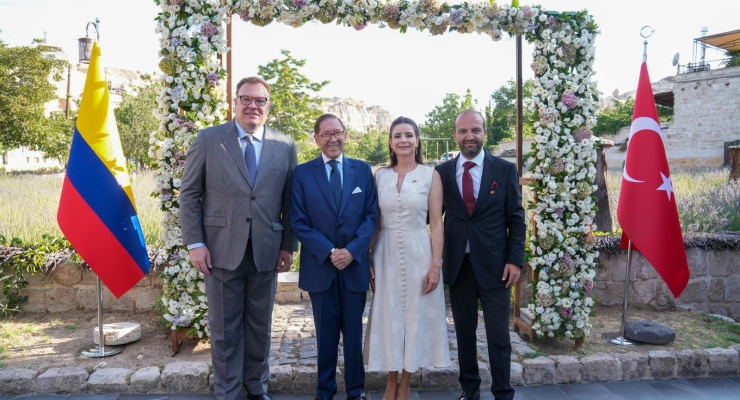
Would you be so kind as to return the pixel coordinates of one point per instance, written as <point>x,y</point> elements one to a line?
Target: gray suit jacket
<point>218,206</point>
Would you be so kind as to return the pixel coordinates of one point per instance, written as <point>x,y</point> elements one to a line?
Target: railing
<point>693,67</point>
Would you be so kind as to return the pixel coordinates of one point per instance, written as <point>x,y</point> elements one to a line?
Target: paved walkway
<point>674,389</point>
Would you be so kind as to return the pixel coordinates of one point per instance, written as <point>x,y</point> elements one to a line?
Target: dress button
<point>249,219</point>
<point>254,198</point>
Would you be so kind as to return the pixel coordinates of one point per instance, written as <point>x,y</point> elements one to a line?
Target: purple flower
<point>569,100</point>
<point>567,260</point>
<point>213,78</point>
<point>299,3</point>
<point>178,92</point>
<point>165,197</point>
<point>566,312</point>
<point>589,285</point>
<point>174,257</point>
<point>264,3</point>
<point>559,212</point>
<point>456,16</point>
<point>528,12</point>
<point>582,134</point>
<point>179,120</point>
<point>557,166</point>
<point>208,29</point>
<point>174,41</point>
<point>177,155</point>
<point>244,15</point>
<point>188,125</point>
<point>360,26</point>
<point>176,2</point>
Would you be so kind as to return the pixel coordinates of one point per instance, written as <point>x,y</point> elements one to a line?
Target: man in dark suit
<point>483,252</point>
<point>234,201</point>
<point>334,211</point>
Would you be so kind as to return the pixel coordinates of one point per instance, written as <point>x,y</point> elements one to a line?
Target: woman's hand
<point>431,281</point>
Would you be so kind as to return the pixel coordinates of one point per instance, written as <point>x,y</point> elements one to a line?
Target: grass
<point>28,204</point>
<point>706,200</point>
<point>13,336</point>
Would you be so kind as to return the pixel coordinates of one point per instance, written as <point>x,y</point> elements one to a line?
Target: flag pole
<point>100,350</point>
<point>619,338</point>
<point>612,337</point>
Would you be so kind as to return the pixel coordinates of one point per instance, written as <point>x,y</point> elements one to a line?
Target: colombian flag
<point>97,212</point>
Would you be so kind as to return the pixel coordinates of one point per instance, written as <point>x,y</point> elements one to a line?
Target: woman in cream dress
<point>407,327</point>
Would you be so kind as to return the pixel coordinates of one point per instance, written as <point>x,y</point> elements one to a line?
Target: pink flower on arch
<point>570,100</point>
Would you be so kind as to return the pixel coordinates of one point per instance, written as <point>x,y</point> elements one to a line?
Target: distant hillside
<point>358,116</point>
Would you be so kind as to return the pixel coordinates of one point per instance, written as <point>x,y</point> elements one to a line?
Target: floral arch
<point>193,34</point>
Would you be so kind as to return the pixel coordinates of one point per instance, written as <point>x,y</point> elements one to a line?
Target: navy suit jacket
<point>496,229</point>
<point>319,227</point>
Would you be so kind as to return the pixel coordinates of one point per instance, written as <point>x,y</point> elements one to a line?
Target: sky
<point>407,74</point>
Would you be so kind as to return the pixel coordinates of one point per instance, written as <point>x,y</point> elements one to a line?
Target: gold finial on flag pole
<point>646,32</point>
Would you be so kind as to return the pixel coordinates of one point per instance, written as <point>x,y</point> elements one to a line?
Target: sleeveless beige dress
<point>406,329</point>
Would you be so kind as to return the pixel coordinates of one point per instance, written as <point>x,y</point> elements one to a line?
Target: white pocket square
<point>357,190</point>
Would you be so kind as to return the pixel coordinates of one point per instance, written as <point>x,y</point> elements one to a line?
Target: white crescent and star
<point>648,124</point>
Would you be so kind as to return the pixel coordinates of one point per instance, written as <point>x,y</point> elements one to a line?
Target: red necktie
<point>467,187</point>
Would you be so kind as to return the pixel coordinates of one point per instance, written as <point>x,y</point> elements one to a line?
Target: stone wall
<point>74,287</point>
<point>714,286</point>
<point>704,119</point>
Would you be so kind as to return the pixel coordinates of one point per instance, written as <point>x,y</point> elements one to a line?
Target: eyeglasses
<point>336,134</point>
<point>259,101</point>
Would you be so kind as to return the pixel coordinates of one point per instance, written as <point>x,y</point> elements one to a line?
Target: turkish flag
<point>647,205</point>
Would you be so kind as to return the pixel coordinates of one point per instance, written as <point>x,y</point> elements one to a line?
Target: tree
<point>501,113</point>
<point>440,122</point>
<point>733,59</point>
<point>292,109</point>
<point>619,115</point>
<point>136,122</point>
<point>24,89</point>
<point>373,148</point>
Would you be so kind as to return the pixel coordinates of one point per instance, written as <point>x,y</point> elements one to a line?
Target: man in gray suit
<point>234,201</point>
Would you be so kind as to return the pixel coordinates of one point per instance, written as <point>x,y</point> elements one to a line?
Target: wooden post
<point>603,218</point>
<point>735,157</point>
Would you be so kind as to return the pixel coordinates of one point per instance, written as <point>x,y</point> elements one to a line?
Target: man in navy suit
<point>483,253</point>
<point>334,211</point>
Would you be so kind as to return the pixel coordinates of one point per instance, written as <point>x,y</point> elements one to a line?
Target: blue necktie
<point>336,184</point>
<point>251,159</point>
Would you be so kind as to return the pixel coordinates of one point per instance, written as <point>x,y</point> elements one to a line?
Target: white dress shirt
<point>257,141</point>
<point>340,165</point>
<point>475,172</point>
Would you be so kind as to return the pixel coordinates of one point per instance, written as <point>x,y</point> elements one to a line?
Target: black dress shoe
<point>470,395</point>
<point>360,396</point>
<point>262,396</point>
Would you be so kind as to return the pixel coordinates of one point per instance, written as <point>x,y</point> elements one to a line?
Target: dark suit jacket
<point>496,230</point>
<point>218,206</point>
<point>320,228</point>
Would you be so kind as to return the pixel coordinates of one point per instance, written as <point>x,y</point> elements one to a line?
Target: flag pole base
<point>618,339</point>
<point>99,352</point>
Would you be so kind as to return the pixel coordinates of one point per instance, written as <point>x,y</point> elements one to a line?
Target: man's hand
<point>341,258</point>
<point>285,260</point>
<point>200,257</point>
<point>512,273</point>
<point>372,277</point>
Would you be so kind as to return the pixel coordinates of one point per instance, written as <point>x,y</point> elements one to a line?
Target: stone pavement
<point>293,370</point>
<point>676,389</point>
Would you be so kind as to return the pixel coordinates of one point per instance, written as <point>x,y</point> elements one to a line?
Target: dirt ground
<point>693,331</point>
<point>41,341</point>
